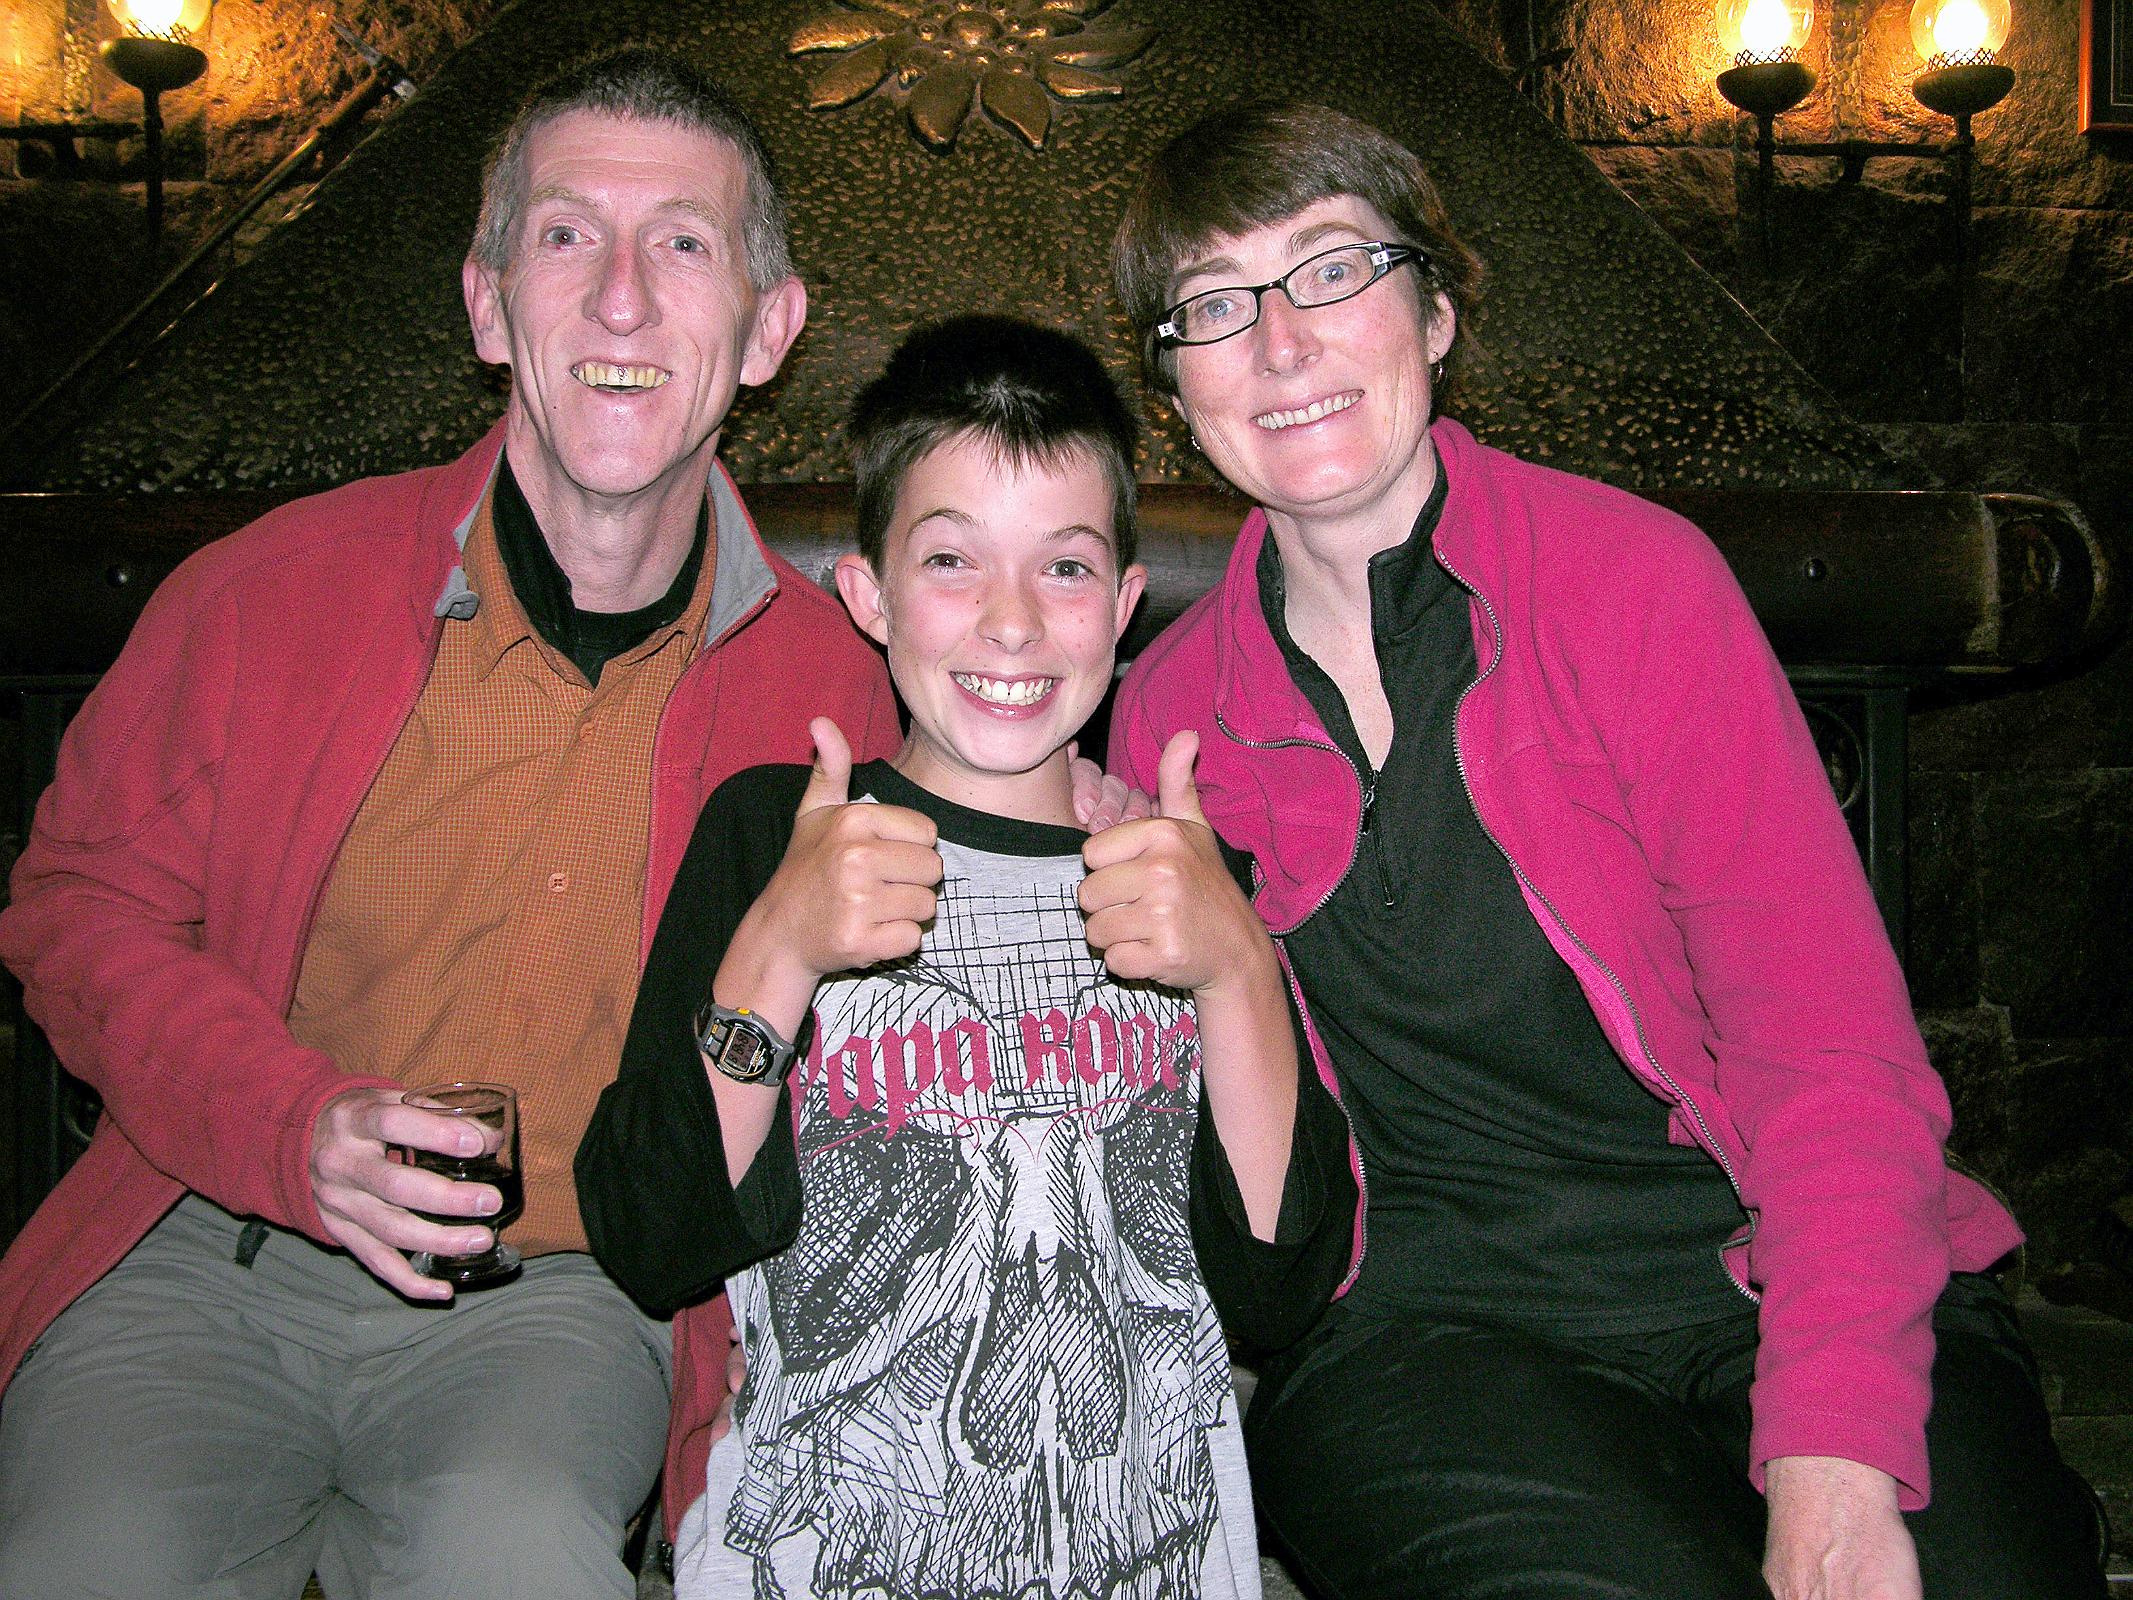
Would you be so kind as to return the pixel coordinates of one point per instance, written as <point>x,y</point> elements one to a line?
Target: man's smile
<point>1004,691</point>
<point>618,379</point>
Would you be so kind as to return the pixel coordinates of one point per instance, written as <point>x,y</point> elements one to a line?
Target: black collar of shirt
<point>1405,581</point>
<point>589,638</point>
<point>977,830</point>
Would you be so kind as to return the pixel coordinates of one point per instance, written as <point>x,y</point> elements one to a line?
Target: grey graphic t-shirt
<point>987,1365</point>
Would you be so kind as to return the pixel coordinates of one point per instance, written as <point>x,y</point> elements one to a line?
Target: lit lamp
<point>155,53</point>
<point>1767,77</point>
<point>1959,41</point>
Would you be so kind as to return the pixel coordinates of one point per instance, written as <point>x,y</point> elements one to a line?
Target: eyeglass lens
<point>1324,279</point>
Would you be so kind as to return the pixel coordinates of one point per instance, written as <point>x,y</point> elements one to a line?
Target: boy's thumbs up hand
<point>1160,902</point>
<point>830,784</point>
<point>857,882</point>
<point>1177,796</point>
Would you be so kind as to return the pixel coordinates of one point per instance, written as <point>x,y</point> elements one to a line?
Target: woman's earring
<point>1436,372</point>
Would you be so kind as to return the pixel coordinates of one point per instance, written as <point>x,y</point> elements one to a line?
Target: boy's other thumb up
<point>1177,797</point>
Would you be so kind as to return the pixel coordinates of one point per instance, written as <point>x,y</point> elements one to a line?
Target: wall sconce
<point>1767,77</point>
<point>69,398</point>
<point>1957,40</point>
<point>155,53</point>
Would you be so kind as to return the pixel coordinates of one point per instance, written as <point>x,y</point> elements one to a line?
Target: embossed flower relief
<point>948,58</point>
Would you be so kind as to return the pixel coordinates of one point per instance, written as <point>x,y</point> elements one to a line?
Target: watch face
<point>746,1056</point>
<point>739,1048</point>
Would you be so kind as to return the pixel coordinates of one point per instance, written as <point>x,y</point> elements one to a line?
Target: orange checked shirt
<point>483,917</point>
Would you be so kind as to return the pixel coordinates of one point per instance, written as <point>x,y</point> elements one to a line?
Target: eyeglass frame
<point>1385,257</point>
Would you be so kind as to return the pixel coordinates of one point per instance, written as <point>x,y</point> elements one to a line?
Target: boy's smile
<point>1001,605</point>
<point>1004,693</point>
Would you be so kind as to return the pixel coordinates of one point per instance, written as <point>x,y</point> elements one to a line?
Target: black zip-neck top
<point>1517,1172</point>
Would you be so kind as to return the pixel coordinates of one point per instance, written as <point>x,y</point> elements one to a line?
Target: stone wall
<point>2022,836</point>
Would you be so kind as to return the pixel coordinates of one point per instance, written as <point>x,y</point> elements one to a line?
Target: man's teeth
<point>601,375</point>
<point>1274,420</point>
<point>1006,692</point>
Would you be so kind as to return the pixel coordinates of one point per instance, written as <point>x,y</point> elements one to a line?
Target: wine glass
<point>492,1108</point>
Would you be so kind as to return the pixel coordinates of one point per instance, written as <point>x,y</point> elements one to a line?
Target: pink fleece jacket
<point>1632,747</point>
<point>161,906</point>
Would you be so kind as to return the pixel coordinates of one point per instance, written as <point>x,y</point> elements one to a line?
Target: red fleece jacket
<point>161,906</point>
<point>1633,748</point>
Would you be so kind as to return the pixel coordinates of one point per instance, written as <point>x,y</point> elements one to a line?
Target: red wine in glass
<point>493,1107</point>
<point>479,1169</point>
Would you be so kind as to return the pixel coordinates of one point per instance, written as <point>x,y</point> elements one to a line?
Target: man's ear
<point>862,597</point>
<point>485,312</point>
<point>779,316</point>
<point>1131,584</point>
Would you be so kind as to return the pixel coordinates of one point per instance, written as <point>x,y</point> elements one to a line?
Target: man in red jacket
<point>387,789</point>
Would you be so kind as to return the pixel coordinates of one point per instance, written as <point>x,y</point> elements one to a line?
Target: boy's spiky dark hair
<point>1034,394</point>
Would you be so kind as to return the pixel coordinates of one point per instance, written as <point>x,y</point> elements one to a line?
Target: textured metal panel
<point>341,348</point>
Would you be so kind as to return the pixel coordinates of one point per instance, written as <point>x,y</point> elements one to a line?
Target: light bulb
<point>1765,30</point>
<point>154,16</point>
<point>162,19</point>
<point>1765,27</point>
<point>1959,29</point>
<point>1959,32</point>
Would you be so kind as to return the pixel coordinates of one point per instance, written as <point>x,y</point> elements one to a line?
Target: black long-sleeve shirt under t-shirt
<point>666,1221</point>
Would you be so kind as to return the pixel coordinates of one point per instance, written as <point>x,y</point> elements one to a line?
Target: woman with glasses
<point>1652,1287</point>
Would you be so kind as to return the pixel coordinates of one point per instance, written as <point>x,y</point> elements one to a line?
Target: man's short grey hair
<point>641,84</point>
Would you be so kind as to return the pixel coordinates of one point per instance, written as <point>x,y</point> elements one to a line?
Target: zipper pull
<point>1365,836</point>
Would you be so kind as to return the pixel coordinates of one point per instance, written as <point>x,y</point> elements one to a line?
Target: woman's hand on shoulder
<point>1100,800</point>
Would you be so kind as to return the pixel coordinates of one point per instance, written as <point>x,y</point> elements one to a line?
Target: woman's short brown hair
<point>1251,165</point>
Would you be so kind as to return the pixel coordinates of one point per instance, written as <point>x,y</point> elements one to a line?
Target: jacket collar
<point>1406,583</point>
<point>1254,695</point>
<point>1469,541</point>
<point>743,579</point>
<point>740,582</point>
<point>1255,699</point>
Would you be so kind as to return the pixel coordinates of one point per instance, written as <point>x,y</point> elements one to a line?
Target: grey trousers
<point>192,1427</point>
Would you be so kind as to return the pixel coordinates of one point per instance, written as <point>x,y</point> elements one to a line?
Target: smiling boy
<point>974,1225</point>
